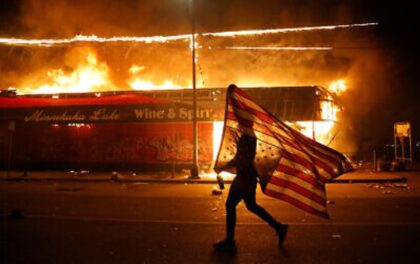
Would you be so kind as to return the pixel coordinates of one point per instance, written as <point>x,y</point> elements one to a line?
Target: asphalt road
<point>76,222</point>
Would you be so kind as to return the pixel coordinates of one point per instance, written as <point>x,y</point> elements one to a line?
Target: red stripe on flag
<point>261,115</point>
<point>300,175</point>
<point>298,159</point>
<point>295,202</point>
<point>338,157</point>
<point>251,125</point>
<point>309,165</point>
<point>299,189</point>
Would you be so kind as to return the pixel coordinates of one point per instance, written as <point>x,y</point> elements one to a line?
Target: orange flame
<point>161,39</point>
<point>322,131</point>
<point>329,110</point>
<point>136,83</point>
<point>338,87</point>
<point>90,75</point>
<point>87,39</point>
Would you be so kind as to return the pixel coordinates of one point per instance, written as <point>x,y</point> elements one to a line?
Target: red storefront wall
<point>106,145</point>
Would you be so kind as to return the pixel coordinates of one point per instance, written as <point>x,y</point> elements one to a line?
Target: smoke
<point>66,18</point>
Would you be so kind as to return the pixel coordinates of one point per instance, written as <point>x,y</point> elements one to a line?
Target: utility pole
<point>195,168</point>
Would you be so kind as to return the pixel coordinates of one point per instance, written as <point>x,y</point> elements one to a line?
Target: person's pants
<point>237,192</point>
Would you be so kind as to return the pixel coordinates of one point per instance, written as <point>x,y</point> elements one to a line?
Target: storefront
<point>126,131</point>
<point>137,130</point>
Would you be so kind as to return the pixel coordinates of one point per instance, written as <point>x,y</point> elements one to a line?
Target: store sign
<point>402,129</point>
<point>142,113</point>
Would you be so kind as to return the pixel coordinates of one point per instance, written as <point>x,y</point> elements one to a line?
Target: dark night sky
<point>394,37</point>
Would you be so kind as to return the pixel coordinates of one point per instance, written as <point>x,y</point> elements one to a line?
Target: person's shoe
<point>225,245</point>
<point>281,231</point>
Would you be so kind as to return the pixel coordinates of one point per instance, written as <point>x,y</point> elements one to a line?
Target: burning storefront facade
<point>110,131</point>
<point>139,130</point>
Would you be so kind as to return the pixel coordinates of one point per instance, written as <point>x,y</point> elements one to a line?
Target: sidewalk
<point>357,176</point>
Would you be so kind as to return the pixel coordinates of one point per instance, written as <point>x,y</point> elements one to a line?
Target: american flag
<point>290,166</point>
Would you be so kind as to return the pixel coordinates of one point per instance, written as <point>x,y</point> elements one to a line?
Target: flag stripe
<point>299,167</point>
<point>298,159</point>
<point>312,144</point>
<point>296,203</point>
<point>301,182</point>
<point>298,188</point>
<point>301,175</point>
<point>297,196</point>
<point>264,117</point>
<point>270,125</point>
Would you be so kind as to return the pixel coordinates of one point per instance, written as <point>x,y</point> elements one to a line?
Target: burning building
<point>140,130</point>
<point>95,104</point>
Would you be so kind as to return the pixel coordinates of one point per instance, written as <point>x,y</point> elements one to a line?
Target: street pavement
<point>47,221</point>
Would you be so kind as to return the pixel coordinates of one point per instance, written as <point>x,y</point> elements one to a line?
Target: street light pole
<point>195,167</point>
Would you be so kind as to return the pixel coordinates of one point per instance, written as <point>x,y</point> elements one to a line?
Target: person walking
<point>244,187</point>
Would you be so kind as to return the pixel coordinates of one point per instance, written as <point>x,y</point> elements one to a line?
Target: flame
<point>90,75</point>
<point>286,30</point>
<point>136,83</point>
<point>278,48</point>
<point>329,110</point>
<point>91,38</point>
<point>217,137</point>
<point>338,87</point>
<point>162,39</point>
<point>321,131</point>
